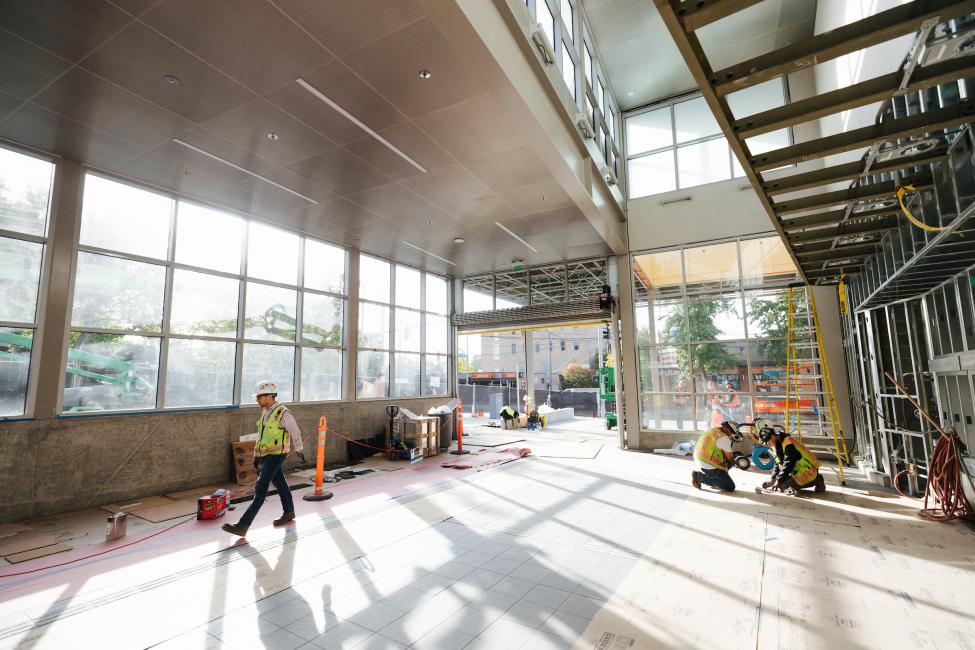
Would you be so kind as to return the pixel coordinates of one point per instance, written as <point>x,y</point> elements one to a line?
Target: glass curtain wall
<point>677,144</point>
<point>25,197</point>
<point>404,333</point>
<point>179,305</point>
<point>711,332</point>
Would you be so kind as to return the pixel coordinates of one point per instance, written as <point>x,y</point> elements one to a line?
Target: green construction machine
<point>607,393</point>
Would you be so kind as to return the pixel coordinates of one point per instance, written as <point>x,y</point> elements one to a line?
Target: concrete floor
<point>536,553</point>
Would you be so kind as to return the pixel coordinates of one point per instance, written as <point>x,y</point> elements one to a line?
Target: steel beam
<point>844,229</point>
<point>690,48</point>
<point>856,36</point>
<point>835,272</point>
<point>861,94</point>
<point>832,217</point>
<point>695,15</point>
<point>848,172</point>
<point>934,120</point>
<point>839,253</point>
<point>880,190</point>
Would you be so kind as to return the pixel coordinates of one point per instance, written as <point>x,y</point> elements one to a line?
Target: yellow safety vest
<point>707,450</point>
<point>272,438</point>
<point>807,468</point>
<point>507,410</point>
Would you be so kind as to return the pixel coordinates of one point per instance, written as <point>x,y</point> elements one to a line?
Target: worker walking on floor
<point>713,456</point>
<point>277,435</point>
<point>796,467</point>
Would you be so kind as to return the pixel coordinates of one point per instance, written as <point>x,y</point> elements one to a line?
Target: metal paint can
<point>115,526</point>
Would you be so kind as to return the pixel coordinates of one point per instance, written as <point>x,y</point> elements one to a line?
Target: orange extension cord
<point>944,486</point>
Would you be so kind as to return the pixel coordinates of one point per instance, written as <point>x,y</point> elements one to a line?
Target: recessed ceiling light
<point>458,240</point>
<point>430,222</point>
<point>271,135</point>
<point>425,74</point>
<point>171,80</point>
<point>629,94</point>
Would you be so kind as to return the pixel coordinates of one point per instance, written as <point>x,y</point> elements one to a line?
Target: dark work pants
<point>271,472</point>
<point>717,478</point>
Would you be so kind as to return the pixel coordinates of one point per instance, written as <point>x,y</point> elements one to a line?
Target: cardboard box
<point>433,444</point>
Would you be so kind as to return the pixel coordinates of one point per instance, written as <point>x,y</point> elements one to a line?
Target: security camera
<point>585,126</point>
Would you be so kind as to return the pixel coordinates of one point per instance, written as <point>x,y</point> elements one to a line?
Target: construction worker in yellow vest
<point>277,435</point>
<point>713,456</point>
<point>796,467</point>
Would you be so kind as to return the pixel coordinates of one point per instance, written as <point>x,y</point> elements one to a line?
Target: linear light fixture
<point>507,230</point>
<point>423,250</point>
<point>352,118</point>
<point>242,169</point>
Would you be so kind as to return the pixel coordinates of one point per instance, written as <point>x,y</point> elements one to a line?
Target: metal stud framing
<point>915,141</point>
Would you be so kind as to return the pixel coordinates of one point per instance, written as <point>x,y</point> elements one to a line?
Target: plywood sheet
<point>37,552</point>
<point>194,493</point>
<point>492,441</point>
<point>21,543</point>
<point>136,506</point>
<point>168,511</point>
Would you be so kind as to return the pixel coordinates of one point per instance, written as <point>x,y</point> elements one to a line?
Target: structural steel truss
<point>921,138</point>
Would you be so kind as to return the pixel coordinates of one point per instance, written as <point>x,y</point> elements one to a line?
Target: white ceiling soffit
<point>643,63</point>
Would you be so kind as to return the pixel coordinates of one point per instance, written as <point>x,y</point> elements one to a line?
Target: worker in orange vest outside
<point>713,456</point>
<point>796,467</point>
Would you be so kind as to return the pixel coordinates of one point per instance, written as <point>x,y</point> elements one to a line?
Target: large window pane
<point>373,325</point>
<point>373,279</point>
<point>565,8</point>
<point>20,276</point>
<point>110,371</point>
<point>768,142</point>
<point>436,294</point>
<point>372,374</point>
<point>407,287</point>
<point>693,120</point>
<point>668,411</point>
<point>25,192</point>
<point>321,374</point>
<point>705,162</point>
<point>208,238</point>
<point>269,313</point>
<point>15,347</point>
<point>568,71</point>
<point>437,334</point>
<point>767,313</point>
<point>653,174</point>
<point>658,274</point>
<point>322,320</point>
<point>407,330</point>
<point>767,374</point>
<point>711,268</point>
<point>587,66</point>
<point>112,293</point>
<point>268,363</point>
<point>407,375</point>
<point>324,267</point>
<point>712,365</point>
<point>478,294</point>
<point>649,131</point>
<point>757,99</point>
<point>204,304</point>
<point>436,382</point>
<point>200,373</point>
<point>272,254</point>
<point>665,368</point>
<point>766,260</point>
<point>714,317</point>
<point>124,218</point>
<point>544,16</point>
<point>511,289</point>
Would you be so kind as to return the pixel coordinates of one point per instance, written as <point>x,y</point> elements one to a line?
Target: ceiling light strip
<point>502,227</point>
<point>423,250</point>
<point>242,169</point>
<point>352,118</point>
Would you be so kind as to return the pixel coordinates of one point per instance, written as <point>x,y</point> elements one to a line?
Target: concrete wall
<point>64,464</point>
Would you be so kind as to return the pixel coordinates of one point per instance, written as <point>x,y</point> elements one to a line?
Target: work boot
<point>285,518</point>
<point>236,529</point>
<point>820,484</point>
<point>696,483</point>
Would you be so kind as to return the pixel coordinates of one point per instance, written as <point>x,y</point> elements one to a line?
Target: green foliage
<point>708,358</point>
<point>576,375</point>
<point>773,320</point>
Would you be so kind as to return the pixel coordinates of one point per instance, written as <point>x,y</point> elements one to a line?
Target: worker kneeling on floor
<point>796,467</point>
<point>277,435</point>
<point>714,457</point>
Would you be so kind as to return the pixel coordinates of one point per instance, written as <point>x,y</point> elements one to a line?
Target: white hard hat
<point>266,388</point>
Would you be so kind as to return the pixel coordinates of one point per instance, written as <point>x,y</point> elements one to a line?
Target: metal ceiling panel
<point>346,25</point>
<point>408,138</point>
<point>219,146</point>
<point>140,59</point>
<point>340,171</point>
<point>68,29</point>
<point>509,169</point>
<point>470,129</point>
<point>536,197</point>
<point>26,68</point>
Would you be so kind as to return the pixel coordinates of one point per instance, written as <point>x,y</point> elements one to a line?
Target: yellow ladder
<point>817,354</point>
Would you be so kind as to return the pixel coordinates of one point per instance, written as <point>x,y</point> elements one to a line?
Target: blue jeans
<point>716,478</point>
<point>271,472</point>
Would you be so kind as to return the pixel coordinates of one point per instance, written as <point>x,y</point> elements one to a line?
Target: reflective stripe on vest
<point>807,468</point>
<point>272,438</point>
<point>708,451</point>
